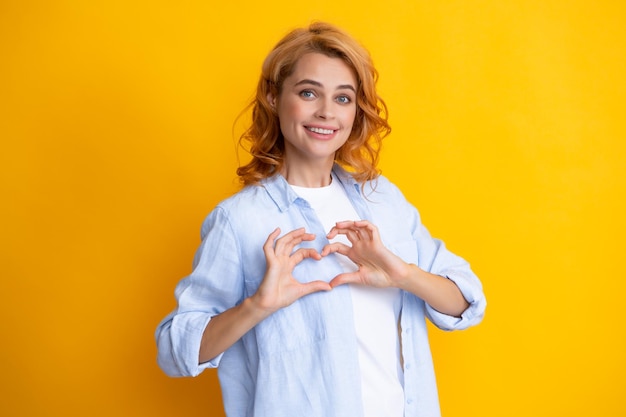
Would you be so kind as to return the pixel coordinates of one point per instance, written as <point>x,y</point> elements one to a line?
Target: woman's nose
<point>325,109</point>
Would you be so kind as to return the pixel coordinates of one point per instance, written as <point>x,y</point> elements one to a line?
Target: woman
<point>312,284</point>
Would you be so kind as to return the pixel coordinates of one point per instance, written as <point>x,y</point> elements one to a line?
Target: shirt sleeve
<point>435,258</point>
<point>215,285</point>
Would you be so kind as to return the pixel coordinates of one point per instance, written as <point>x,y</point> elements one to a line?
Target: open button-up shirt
<point>302,361</point>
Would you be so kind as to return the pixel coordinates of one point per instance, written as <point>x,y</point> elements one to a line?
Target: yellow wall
<point>509,135</point>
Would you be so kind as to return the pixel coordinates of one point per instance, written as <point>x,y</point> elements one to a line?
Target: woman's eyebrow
<point>318,84</point>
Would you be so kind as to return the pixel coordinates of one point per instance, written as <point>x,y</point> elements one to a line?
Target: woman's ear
<point>271,99</point>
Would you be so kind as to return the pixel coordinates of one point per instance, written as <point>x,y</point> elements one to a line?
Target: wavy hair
<point>264,139</point>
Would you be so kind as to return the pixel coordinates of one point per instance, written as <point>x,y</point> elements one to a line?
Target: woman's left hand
<point>378,266</point>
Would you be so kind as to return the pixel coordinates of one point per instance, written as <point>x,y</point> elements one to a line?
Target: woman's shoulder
<point>247,197</point>
<point>382,186</point>
<point>235,208</point>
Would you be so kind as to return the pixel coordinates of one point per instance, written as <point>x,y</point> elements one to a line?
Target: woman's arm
<point>278,289</point>
<point>439,292</point>
<point>379,267</point>
<point>226,328</point>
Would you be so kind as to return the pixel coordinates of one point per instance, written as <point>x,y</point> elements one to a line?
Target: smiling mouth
<point>320,130</point>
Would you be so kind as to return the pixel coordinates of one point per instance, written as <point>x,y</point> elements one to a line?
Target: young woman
<point>310,289</point>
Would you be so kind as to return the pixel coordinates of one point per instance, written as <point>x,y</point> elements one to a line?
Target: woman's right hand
<point>279,288</point>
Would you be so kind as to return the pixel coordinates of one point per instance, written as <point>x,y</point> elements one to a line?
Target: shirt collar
<point>283,195</point>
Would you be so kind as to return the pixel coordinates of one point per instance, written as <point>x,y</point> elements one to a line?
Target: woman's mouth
<point>320,130</point>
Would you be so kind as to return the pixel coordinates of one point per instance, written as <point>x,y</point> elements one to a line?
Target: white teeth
<point>320,130</point>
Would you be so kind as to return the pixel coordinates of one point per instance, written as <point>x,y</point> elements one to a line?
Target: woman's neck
<point>307,176</point>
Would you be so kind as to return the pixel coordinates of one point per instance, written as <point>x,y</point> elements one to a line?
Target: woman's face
<point>316,109</point>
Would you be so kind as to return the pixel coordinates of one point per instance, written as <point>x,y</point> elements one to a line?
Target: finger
<point>345,223</point>
<point>346,278</point>
<point>268,246</point>
<point>286,243</point>
<point>315,286</point>
<point>337,247</point>
<point>353,235</point>
<point>339,231</point>
<point>340,227</point>
<point>294,234</point>
<point>299,233</point>
<point>369,228</point>
<point>304,253</point>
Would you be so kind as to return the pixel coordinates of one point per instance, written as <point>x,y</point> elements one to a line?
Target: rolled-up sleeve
<point>435,258</point>
<point>472,292</point>
<point>215,285</point>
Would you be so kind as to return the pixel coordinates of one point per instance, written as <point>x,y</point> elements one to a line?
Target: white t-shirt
<point>376,314</point>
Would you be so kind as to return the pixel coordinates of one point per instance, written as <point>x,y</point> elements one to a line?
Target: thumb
<point>346,278</point>
<point>315,286</point>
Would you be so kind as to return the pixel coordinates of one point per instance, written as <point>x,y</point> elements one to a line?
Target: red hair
<point>264,140</point>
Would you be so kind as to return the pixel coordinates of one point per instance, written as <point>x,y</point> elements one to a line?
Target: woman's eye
<point>344,99</point>
<point>307,94</point>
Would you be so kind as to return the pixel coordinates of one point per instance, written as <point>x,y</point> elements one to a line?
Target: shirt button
<point>407,365</point>
<point>409,401</point>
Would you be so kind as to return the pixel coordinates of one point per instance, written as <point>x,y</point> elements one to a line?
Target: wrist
<point>255,308</point>
<point>407,278</point>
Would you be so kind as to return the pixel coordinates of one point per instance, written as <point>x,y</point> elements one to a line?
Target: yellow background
<point>116,128</point>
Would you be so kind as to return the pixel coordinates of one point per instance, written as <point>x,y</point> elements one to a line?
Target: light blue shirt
<point>302,361</point>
